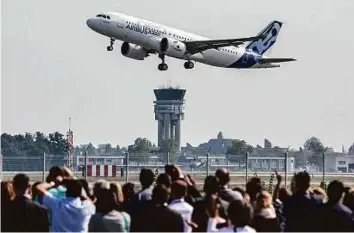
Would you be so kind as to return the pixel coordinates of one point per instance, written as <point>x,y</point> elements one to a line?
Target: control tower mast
<point>169,112</point>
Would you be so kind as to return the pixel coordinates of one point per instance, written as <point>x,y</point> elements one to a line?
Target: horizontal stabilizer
<point>275,60</point>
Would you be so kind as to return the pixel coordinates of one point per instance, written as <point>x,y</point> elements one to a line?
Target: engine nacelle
<point>133,51</point>
<point>173,48</point>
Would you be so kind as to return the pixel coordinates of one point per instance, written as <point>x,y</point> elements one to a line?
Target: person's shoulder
<point>36,205</point>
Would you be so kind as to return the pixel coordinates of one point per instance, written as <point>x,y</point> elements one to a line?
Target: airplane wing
<point>194,47</point>
<point>274,60</point>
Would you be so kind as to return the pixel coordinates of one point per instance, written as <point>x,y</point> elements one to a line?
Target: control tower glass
<point>169,113</point>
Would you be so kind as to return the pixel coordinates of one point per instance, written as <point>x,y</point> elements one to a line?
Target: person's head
<point>147,178</point>
<point>73,188</point>
<point>128,191</point>
<point>283,194</point>
<point>21,184</point>
<point>160,195</point>
<point>348,199</point>
<point>7,192</point>
<point>263,201</point>
<point>223,176</point>
<point>54,172</point>
<point>253,187</point>
<point>164,179</point>
<point>67,173</point>
<point>106,195</point>
<point>335,191</point>
<point>302,181</point>
<point>320,192</point>
<point>240,213</point>
<point>240,190</point>
<point>211,185</point>
<point>173,171</point>
<point>178,189</point>
<point>117,190</point>
<point>34,191</point>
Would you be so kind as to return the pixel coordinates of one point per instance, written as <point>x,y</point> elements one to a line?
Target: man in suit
<point>157,217</point>
<point>24,215</point>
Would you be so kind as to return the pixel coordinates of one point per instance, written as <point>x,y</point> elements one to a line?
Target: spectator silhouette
<point>107,217</point>
<point>225,193</point>
<point>199,217</point>
<point>335,216</point>
<point>301,210</point>
<point>23,214</point>
<point>141,198</point>
<point>265,218</point>
<point>178,204</point>
<point>128,193</point>
<point>157,217</point>
<point>240,215</point>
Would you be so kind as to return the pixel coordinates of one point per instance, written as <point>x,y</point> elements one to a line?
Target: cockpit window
<point>103,16</point>
<point>108,17</point>
<point>98,15</point>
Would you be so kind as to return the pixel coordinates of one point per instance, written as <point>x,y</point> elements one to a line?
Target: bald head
<point>223,176</point>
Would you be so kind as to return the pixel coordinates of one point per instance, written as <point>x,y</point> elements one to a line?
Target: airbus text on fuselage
<point>142,38</point>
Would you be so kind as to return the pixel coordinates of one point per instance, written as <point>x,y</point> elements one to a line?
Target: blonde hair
<point>117,190</point>
<point>263,201</point>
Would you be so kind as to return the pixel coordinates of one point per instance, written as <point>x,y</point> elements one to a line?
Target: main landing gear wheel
<point>162,66</point>
<point>110,47</point>
<point>189,65</point>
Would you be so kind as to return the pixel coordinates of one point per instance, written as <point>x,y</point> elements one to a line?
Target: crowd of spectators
<point>171,202</point>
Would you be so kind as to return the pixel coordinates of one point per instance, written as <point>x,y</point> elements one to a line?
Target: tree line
<point>55,143</point>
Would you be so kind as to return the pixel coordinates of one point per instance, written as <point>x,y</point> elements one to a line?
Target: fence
<point>126,167</point>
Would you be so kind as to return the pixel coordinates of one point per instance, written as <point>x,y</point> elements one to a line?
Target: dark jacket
<point>157,219</point>
<point>336,218</point>
<point>24,215</point>
<point>301,211</point>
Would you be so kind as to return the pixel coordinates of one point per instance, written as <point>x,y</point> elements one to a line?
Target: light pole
<point>286,166</point>
<point>324,165</point>
<point>247,154</point>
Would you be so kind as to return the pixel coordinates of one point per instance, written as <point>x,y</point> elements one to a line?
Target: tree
<point>141,145</point>
<point>90,150</point>
<point>315,145</point>
<point>237,150</point>
<point>351,149</point>
<point>108,149</point>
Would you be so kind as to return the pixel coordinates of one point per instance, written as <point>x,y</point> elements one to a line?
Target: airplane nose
<point>90,23</point>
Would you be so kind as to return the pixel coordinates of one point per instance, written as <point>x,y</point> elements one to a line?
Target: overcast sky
<point>54,67</point>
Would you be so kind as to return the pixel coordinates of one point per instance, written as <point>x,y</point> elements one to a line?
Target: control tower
<point>169,112</point>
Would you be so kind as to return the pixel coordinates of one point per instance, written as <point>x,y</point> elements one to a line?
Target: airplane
<point>141,38</point>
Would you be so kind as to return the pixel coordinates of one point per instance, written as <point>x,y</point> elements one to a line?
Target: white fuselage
<point>144,33</point>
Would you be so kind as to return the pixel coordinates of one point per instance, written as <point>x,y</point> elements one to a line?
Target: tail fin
<point>270,34</point>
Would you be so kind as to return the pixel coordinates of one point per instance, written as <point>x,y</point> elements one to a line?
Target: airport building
<point>169,112</point>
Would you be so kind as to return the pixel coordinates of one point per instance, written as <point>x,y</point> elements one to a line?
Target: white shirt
<point>212,227</point>
<point>69,214</point>
<point>184,209</point>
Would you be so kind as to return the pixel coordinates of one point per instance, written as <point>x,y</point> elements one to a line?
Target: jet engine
<point>133,51</point>
<point>173,48</point>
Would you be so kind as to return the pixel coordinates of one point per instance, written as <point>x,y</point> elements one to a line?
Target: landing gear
<point>188,65</point>
<point>163,66</point>
<point>110,47</point>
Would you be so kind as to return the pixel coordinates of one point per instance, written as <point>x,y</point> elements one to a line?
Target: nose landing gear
<point>110,47</point>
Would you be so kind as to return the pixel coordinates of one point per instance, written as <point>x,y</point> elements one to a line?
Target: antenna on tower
<point>70,144</point>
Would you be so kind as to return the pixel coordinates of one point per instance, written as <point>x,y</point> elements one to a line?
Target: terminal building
<point>169,112</point>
